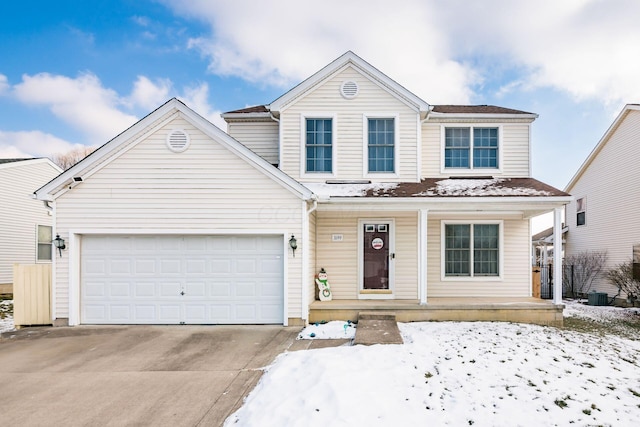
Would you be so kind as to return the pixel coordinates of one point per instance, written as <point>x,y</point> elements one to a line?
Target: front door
<point>377,256</point>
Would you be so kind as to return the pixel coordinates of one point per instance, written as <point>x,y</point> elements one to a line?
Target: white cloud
<point>150,95</point>
<point>26,144</point>
<point>83,103</point>
<point>4,84</point>
<point>284,42</point>
<point>196,99</point>
<point>442,51</point>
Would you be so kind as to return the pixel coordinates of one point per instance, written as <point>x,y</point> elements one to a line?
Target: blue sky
<point>78,73</point>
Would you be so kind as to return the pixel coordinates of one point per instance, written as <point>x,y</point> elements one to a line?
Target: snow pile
<point>330,330</point>
<point>479,187</point>
<point>6,316</point>
<point>454,374</point>
<point>323,190</point>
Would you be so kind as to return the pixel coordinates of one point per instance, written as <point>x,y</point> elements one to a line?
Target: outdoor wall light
<point>293,244</point>
<point>58,242</point>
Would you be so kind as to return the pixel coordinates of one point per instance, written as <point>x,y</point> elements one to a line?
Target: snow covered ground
<point>457,373</point>
<point>6,316</point>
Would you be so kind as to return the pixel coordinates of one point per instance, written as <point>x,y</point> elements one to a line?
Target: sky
<point>76,73</point>
<point>477,374</point>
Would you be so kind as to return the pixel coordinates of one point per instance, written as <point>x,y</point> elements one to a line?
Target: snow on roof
<point>434,187</point>
<point>324,190</point>
<point>479,187</point>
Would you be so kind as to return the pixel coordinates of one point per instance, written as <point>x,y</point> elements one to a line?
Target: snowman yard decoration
<point>324,290</point>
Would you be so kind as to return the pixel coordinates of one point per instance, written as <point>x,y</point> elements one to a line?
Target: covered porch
<point>504,309</point>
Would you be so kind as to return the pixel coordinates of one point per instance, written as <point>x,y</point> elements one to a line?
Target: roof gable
<point>114,148</point>
<point>601,144</point>
<point>11,163</point>
<point>349,59</point>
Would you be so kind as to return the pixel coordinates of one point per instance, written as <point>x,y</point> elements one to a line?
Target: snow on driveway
<point>455,374</point>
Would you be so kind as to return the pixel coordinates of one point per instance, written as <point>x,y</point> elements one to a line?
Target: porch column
<point>422,255</point>
<point>557,256</point>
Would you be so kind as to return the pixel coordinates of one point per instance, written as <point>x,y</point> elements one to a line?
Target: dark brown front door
<point>376,255</point>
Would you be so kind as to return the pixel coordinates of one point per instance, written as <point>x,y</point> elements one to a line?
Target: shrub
<point>622,277</point>
<point>585,268</point>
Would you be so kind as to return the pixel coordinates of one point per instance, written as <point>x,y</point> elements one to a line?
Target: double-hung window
<point>471,250</point>
<point>471,148</point>
<point>381,145</point>
<point>581,211</point>
<point>319,145</point>
<point>44,243</point>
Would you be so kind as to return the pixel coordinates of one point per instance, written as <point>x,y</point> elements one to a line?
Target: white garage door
<point>182,279</point>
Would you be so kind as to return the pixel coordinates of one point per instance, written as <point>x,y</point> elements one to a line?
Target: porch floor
<point>519,310</point>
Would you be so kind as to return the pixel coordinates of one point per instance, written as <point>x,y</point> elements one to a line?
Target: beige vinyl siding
<point>515,283</point>
<point>20,214</point>
<point>261,137</point>
<point>326,101</point>
<point>340,259</point>
<point>206,187</point>
<point>514,149</point>
<point>610,186</point>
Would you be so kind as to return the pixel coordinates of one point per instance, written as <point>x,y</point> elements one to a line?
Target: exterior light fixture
<point>58,242</point>
<point>293,244</point>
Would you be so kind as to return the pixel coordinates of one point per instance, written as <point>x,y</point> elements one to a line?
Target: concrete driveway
<point>133,375</point>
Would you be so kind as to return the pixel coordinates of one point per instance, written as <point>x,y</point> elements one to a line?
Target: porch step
<point>377,328</point>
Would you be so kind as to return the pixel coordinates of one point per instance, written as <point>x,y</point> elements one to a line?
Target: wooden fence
<point>31,294</point>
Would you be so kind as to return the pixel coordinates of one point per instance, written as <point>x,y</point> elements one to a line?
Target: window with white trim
<point>319,145</point>
<point>581,211</point>
<point>471,250</point>
<point>460,153</point>
<point>381,145</point>
<point>44,243</point>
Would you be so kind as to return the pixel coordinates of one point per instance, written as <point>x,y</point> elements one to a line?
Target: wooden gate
<point>31,294</point>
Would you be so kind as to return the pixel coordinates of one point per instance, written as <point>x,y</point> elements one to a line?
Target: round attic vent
<point>349,89</point>
<point>178,141</point>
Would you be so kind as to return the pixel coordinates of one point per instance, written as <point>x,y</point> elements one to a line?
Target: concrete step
<point>377,328</point>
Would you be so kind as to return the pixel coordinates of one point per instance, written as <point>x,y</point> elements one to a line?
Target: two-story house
<point>413,208</point>
<point>604,215</point>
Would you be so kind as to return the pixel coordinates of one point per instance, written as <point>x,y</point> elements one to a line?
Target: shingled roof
<point>254,109</point>
<point>450,109</point>
<point>475,109</point>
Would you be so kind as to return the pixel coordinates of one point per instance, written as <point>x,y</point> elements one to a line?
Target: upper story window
<point>319,145</point>
<point>44,243</point>
<point>581,211</point>
<point>471,148</point>
<point>381,145</point>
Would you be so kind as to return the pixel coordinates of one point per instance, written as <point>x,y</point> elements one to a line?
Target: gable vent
<point>178,141</point>
<point>349,89</point>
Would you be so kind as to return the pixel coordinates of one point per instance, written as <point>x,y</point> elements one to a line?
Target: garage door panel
<point>144,290</point>
<point>145,266</point>
<point>221,289</point>
<point>246,266</point>
<point>95,289</point>
<point>171,266</point>
<point>145,313</point>
<point>120,289</point>
<point>221,266</point>
<point>218,279</point>
<point>196,266</point>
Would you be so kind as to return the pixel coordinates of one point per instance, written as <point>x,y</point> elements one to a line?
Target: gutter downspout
<point>279,136</point>
<point>305,256</point>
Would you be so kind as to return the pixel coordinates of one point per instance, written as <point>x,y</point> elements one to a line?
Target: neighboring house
<point>412,208</point>
<point>605,215</point>
<point>25,223</point>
